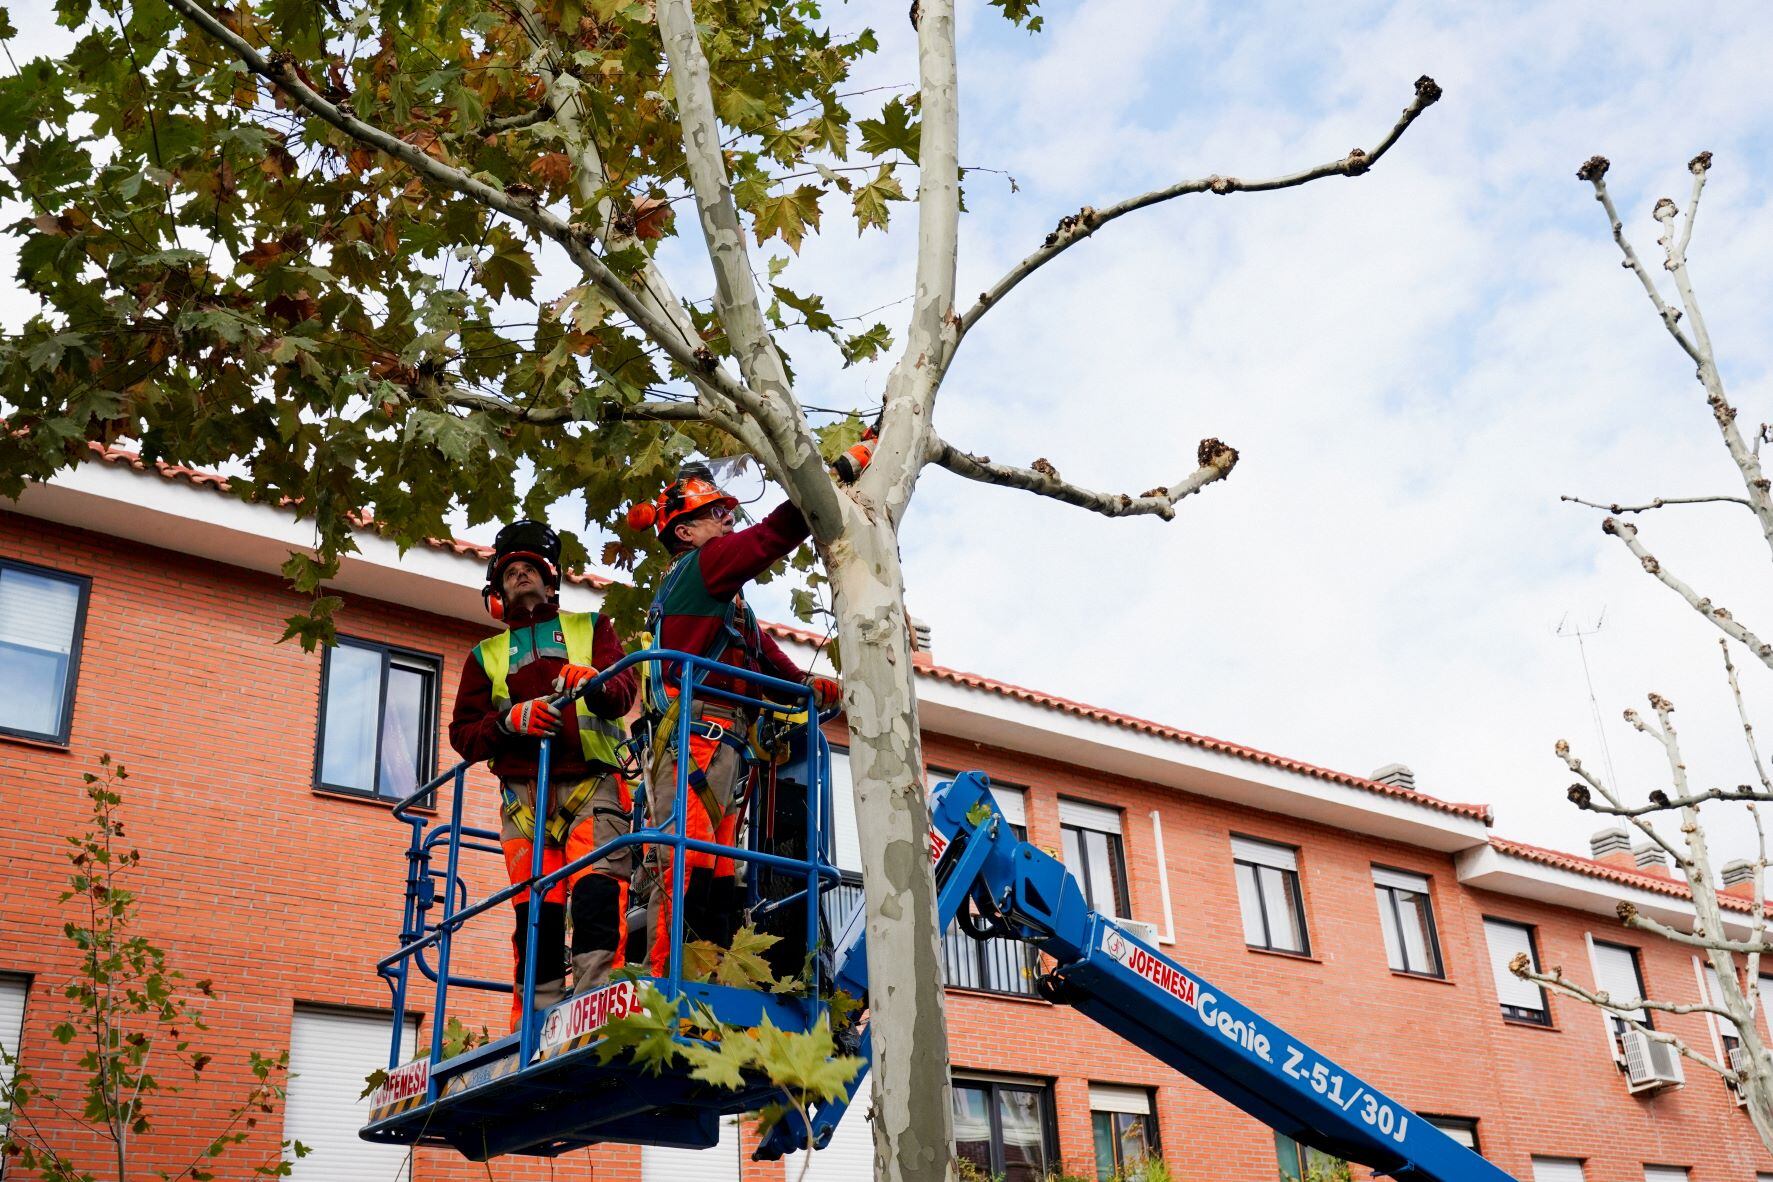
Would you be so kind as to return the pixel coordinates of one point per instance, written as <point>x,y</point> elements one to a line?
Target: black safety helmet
<point>530,541</point>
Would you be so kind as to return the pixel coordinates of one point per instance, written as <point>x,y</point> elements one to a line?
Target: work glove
<point>571,677</point>
<point>827,692</point>
<point>536,718</point>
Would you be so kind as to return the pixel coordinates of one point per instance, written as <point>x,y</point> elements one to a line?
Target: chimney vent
<point>920,643</point>
<point>1397,775</point>
<point>1651,857</point>
<point>1739,873</point>
<point>1610,841</point>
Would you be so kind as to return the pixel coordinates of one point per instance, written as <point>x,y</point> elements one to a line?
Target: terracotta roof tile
<point>219,483</point>
<point>1478,812</point>
<point>1616,874</point>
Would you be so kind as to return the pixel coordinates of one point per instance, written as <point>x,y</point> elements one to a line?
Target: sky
<point>1414,366</point>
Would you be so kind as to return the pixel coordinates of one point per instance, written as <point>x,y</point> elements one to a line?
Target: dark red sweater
<point>474,727</point>
<point>727,563</point>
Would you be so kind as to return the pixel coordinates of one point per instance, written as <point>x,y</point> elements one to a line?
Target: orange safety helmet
<point>693,489</point>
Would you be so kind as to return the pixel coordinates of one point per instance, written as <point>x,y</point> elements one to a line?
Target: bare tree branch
<point>1698,346</point>
<point>1754,811</point>
<point>1558,983</point>
<point>1631,917</point>
<point>1594,171</point>
<point>1074,228</point>
<point>517,204</point>
<point>1661,802</point>
<point>931,333</point>
<point>506,123</point>
<point>797,462</point>
<point>1658,503</point>
<point>1721,617</point>
<point>1579,796</point>
<point>1216,460</point>
<point>1555,979</point>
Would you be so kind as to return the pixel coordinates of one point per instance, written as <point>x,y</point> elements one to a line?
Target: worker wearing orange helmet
<point>504,709</point>
<point>700,609</point>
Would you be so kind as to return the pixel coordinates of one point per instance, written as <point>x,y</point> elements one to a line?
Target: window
<point>1462,1129</point>
<point>1005,1129</point>
<point>1665,1174</point>
<point>42,614</point>
<point>1522,1001</point>
<point>998,965</point>
<point>1765,985</point>
<point>1093,854</point>
<point>1407,918</point>
<point>1616,974</point>
<point>1302,1163</point>
<point>1728,1037</point>
<point>1557,1169</point>
<point>13,992</point>
<point>330,1052</point>
<point>378,719</point>
<point>1123,1123</point>
<point>1268,890</point>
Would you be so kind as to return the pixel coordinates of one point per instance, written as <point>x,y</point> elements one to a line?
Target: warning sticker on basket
<point>572,1024</point>
<point>404,1088</point>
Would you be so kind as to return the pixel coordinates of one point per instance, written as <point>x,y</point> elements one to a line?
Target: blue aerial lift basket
<point>544,1091</point>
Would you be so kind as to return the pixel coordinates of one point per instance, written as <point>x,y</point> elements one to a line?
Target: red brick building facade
<point>1295,888</point>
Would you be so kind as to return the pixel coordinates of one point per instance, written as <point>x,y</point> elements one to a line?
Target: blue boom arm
<point>1132,989</point>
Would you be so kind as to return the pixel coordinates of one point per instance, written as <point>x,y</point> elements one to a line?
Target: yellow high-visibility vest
<point>598,737</point>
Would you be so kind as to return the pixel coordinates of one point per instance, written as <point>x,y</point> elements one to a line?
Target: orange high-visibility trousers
<point>710,815</point>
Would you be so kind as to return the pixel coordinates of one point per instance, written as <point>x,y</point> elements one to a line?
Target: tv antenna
<point>1567,630</point>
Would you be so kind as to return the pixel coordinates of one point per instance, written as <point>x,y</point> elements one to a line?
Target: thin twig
<point>1658,503</point>
<point>1074,228</point>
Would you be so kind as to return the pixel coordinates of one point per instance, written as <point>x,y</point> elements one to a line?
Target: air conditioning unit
<point>1648,1064</point>
<point>1738,1060</point>
<point>1145,931</point>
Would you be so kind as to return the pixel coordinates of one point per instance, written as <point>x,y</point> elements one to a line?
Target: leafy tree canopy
<point>226,281</point>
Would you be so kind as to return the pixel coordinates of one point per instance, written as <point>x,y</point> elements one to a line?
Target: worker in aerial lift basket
<point>700,609</point>
<point>503,712</point>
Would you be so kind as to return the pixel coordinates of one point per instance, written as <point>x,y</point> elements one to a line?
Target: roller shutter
<point>850,1154</point>
<point>718,1163</point>
<point>330,1054</point>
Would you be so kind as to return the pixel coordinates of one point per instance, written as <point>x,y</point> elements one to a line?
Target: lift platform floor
<point>483,1103</point>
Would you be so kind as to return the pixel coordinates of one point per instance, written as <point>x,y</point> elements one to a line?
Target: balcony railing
<point>995,966</point>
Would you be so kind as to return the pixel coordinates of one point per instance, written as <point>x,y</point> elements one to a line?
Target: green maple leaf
<point>894,131</point>
<point>742,965</point>
<point>788,216</point>
<point>812,307</point>
<point>700,960</point>
<point>722,1064</point>
<point>508,268</point>
<point>648,1035</point>
<point>871,199</point>
<point>863,346</point>
<point>808,1063</point>
<point>372,1081</point>
<point>844,1008</point>
<point>1020,12</point>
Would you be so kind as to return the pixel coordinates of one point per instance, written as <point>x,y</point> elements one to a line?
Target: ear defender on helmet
<point>642,515</point>
<point>495,603</point>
